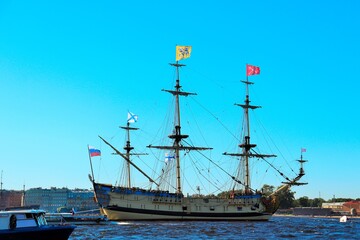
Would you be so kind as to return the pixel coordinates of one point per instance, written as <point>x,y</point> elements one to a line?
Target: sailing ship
<point>127,202</point>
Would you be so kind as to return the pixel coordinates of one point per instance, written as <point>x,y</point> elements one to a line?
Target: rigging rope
<point>216,118</point>
<point>232,177</point>
<point>264,129</point>
<point>272,165</point>
<point>204,176</point>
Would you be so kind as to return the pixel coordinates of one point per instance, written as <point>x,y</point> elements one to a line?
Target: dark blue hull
<point>53,232</point>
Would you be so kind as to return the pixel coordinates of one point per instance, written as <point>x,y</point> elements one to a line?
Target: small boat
<point>343,219</point>
<point>31,224</point>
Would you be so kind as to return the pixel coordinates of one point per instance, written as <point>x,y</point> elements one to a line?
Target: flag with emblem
<point>182,52</point>
<point>252,70</point>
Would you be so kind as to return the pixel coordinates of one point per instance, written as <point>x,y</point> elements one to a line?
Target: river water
<point>278,227</point>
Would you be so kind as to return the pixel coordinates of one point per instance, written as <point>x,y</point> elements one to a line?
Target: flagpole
<point>92,171</point>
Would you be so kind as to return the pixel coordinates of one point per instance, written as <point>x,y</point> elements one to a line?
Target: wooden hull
<point>124,214</point>
<point>137,204</point>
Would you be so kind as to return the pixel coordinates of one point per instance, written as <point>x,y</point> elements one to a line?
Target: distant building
<point>353,207</point>
<point>10,198</point>
<point>312,211</point>
<point>344,208</point>
<point>54,199</point>
<point>81,199</point>
<point>48,199</point>
<point>335,206</point>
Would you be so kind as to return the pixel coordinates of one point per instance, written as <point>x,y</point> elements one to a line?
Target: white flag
<point>169,157</point>
<point>132,117</point>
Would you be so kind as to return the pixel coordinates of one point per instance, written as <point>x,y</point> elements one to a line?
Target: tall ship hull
<point>165,200</point>
<point>140,204</point>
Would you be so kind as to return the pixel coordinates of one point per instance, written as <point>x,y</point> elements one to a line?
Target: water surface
<point>276,228</point>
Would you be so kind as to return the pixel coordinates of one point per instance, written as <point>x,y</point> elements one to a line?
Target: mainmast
<point>176,136</point>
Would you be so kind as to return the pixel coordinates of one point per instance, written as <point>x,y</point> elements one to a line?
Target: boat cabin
<point>21,219</point>
<point>30,224</point>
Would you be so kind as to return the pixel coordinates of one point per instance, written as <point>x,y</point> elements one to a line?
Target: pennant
<point>93,152</point>
<point>132,117</point>
<point>252,70</point>
<point>182,52</point>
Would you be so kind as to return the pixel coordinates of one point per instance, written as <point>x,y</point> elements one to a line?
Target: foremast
<point>128,148</point>
<point>177,136</point>
<point>129,161</point>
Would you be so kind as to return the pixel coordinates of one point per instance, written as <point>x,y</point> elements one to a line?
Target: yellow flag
<point>182,52</point>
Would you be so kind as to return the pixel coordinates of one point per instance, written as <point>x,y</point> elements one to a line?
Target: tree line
<point>287,199</point>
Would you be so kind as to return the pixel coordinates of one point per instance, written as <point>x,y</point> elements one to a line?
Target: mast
<point>128,148</point>
<point>177,136</point>
<point>128,160</point>
<point>301,161</point>
<point>301,172</point>
<point>246,145</point>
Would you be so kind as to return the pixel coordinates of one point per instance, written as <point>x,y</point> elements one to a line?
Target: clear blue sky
<point>70,71</point>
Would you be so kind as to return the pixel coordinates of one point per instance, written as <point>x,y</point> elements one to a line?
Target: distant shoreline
<point>311,216</point>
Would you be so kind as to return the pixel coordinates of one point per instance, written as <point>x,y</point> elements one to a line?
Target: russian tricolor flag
<point>93,152</point>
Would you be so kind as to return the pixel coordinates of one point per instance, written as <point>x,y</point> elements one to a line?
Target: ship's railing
<point>145,192</point>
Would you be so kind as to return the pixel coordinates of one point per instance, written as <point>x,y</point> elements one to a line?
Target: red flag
<point>252,70</point>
